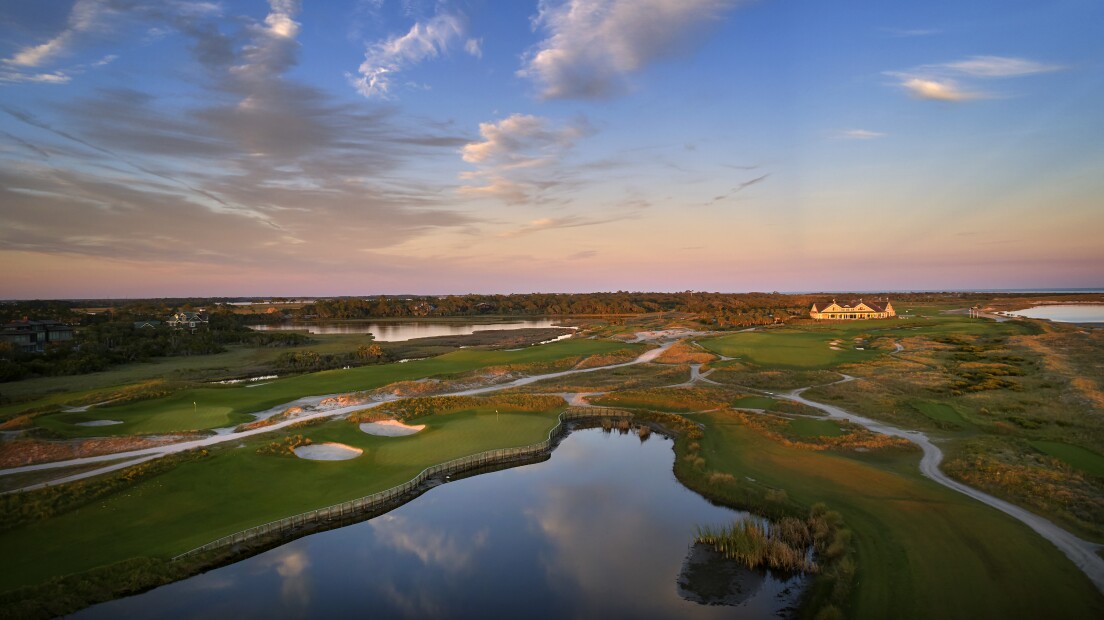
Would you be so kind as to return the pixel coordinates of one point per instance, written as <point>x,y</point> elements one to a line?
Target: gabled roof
<point>875,306</point>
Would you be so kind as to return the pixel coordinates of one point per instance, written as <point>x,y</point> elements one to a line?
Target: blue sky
<point>253,148</point>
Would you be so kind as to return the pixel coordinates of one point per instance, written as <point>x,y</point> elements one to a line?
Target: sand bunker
<point>390,428</point>
<point>328,452</point>
<point>100,423</point>
<point>835,348</point>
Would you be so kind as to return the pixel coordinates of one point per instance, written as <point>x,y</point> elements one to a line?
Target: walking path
<point>159,451</point>
<point>1082,552</point>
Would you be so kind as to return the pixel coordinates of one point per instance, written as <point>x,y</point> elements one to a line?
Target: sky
<point>356,147</point>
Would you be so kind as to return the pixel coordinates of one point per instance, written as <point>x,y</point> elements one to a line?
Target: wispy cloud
<point>943,82</point>
<point>552,223</point>
<point>513,152</point>
<point>261,169</point>
<point>592,45</point>
<point>939,90</point>
<point>911,32</point>
<point>737,189</point>
<point>425,40</point>
<point>999,67</point>
<point>857,134</point>
<point>84,16</point>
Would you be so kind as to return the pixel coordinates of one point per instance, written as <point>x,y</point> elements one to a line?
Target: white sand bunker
<point>100,423</point>
<point>835,348</point>
<point>328,452</point>
<point>390,428</point>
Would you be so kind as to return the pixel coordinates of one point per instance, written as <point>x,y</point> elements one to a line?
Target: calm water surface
<point>399,331</point>
<point>1066,313</point>
<point>602,530</point>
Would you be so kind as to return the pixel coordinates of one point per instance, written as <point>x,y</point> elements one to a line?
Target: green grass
<point>804,427</point>
<point>754,402</point>
<point>236,488</point>
<point>806,347</point>
<point>941,413</point>
<point>219,406</point>
<point>1075,456</point>
<point>788,348</point>
<point>923,551</point>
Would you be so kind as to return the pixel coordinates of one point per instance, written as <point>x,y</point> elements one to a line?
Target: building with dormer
<point>843,311</point>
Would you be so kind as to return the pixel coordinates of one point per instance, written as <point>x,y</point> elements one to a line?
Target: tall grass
<point>756,544</point>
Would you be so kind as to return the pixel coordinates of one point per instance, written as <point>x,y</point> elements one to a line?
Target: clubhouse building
<point>852,310</point>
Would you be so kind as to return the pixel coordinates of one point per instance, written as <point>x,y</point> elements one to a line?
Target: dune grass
<point>923,551</point>
<point>220,406</point>
<point>236,487</point>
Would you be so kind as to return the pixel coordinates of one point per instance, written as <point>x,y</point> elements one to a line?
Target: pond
<point>601,530</point>
<point>1065,313</point>
<point>405,330</point>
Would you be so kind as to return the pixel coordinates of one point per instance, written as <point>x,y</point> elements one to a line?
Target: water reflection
<point>601,530</point>
<point>1066,313</point>
<point>400,331</point>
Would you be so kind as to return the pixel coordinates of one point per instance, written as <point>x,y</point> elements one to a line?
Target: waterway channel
<point>601,530</point>
<point>399,331</point>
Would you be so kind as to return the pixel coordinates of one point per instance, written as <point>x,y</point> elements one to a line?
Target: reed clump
<point>756,544</point>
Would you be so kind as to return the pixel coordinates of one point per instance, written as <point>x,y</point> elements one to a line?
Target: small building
<point>192,321</point>
<point>147,324</point>
<point>33,336</point>
<point>837,311</point>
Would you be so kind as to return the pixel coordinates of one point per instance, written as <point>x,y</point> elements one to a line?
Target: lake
<point>601,530</point>
<point>1065,313</point>
<point>404,330</point>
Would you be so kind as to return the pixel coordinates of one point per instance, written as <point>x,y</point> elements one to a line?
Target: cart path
<point>159,451</point>
<point>1082,552</point>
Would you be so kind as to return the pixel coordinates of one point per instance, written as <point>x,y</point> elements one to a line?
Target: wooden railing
<point>376,501</point>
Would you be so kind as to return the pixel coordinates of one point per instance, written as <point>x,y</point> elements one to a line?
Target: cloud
<point>552,223</point>
<point>257,169</point>
<point>514,154</point>
<point>858,134</point>
<point>941,82</point>
<point>593,45</point>
<point>911,32</point>
<point>938,90</point>
<point>425,40</point>
<point>999,67</point>
<point>519,138</point>
<point>739,188</point>
<point>84,16</point>
<point>474,47</point>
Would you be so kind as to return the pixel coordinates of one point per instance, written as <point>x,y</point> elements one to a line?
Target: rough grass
<point>684,399</point>
<point>923,551</point>
<point>236,488</point>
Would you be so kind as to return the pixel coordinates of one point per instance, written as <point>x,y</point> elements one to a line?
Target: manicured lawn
<point>941,412</point>
<point>1075,456</point>
<point>236,488</point>
<point>804,427</point>
<point>788,348</point>
<point>923,551</point>
<point>218,406</point>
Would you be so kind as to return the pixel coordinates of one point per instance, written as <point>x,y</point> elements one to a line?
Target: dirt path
<point>1081,552</point>
<point>159,451</point>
